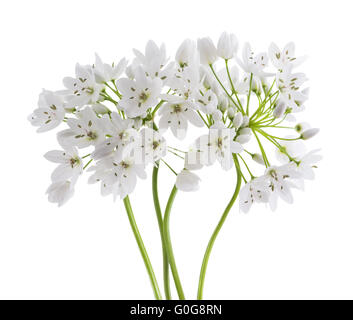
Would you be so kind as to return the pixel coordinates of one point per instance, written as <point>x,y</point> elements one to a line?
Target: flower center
<point>143,96</point>
<point>92,135</point>
<point>124,164</point>
<point>155,144</point>
<point>177,108</point>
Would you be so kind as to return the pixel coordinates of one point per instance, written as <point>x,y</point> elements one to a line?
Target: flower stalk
<point>142,249</point>
<point>168,243</point>
<point>216,232</point>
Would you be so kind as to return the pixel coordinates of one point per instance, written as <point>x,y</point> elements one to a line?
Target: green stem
<point>248,102</point>
<point>168,244</point>
<point>216,232</point>
<point>157,207</point>
<point>142,248</point>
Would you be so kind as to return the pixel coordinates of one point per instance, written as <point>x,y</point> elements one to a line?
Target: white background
<point>86,250</point>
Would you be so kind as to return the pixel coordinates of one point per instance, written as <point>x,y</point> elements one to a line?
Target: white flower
<point>84,131</point>
<point>185,85</point>
<point>83,89</point>
<point>187,181</point>
<point>50,113</point>
<point>289,83</point>
<point>208,51</point>
<point>227,45</point>
<point>284,58</point>
<point>253,64</point>
<point>207,102</point>
<point>70,164</point>
<point>186,54</point>
<point>256,190</point>
<point>117,176</point>
<point>280,183</point>
<point>105,72</point>
<point>176,115</point>
<point>218,145</point>
<point>121,134</point>
<point>153,146</point>
<point>60,192</point>
<point>307,164</point>
<point>309,133</point>
<point>295,149</point>
<point>154,61</point>
<point>140,94</point>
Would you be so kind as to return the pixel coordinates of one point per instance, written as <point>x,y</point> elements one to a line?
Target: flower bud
<point>231,113</point>
<point>227,45</point>
<point>258,158</point>
<point>243,138</point>
<point>185,53</point>
<point>223,103</point>
<point>100,108</point>
<point>307,134</point>
<point>246,131</point>
<point>279,110</point>
<point>300,127</point>
<point>187,181</point>
<point>238,120</point>
<point>245,121</point>
<point>208,52</point>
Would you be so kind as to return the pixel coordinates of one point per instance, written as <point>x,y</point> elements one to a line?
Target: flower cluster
<point>121,114</point>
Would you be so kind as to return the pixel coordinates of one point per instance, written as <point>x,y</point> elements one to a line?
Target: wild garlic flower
<point>115,119</point>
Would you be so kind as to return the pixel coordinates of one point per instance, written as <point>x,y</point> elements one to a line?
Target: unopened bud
<point>223,103</point>
<point>243,138</point>
<point>245,121</point>
<point>258,158</point>
<point>246,131</point>
<point>231,113</point>
<point>307,134</point>
<point>300,127</point>
<point>238,120</point>
<point>279,110</point>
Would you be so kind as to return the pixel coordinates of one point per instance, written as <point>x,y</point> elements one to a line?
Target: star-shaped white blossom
<point>218,145</point>
<point>50,113</point>
<point>85,130</point>
<point>256,190</point>
<point>176,115</point>
<point>139,94</point>
<point>281,59</point>
<point>83,89</point>
<point>70,164</point>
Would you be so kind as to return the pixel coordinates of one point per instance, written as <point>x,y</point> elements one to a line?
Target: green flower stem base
<point>216,232</point>
<point>160,224</point>
<point>168,244</point>
<point>142,248</point>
